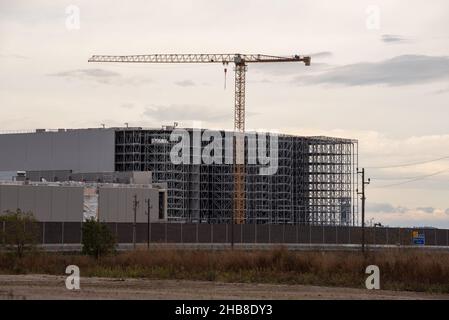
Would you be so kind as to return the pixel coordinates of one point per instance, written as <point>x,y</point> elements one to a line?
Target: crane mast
<point>240,61</point>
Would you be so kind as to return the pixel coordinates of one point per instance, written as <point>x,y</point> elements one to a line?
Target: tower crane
<point>240,61</point>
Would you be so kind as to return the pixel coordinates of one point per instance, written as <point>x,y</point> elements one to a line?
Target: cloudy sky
<point>379,74</point>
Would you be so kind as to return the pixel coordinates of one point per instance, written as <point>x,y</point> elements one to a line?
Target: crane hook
<point>225,64</point>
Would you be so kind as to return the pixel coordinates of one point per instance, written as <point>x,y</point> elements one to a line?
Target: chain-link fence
<point>202,233</point>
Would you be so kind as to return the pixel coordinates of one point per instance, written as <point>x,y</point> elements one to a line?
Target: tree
<point>98,240</point>
<point>21,231</point>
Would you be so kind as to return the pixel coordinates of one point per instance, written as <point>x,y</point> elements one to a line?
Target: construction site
<point>315,182</point>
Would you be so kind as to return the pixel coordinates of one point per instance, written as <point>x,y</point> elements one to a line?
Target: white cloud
<point>178,112</point>
<point>393,39</point>
<point>397,71</point>
<point>405,217</point>
<point>185,83</point>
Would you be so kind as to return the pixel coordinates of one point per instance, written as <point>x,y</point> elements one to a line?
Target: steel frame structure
<point>315,183</point>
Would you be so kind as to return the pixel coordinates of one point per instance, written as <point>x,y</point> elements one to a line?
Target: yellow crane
<point>240,61</point>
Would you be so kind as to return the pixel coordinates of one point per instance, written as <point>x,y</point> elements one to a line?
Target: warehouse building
<point>314,181</point>
<point>75,202</point>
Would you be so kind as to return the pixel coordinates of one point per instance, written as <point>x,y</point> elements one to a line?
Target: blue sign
<point>418,238</point>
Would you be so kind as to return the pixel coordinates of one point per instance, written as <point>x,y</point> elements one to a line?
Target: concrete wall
<point>81,150</point>
<point>115,204</point>
<point>47,203</point>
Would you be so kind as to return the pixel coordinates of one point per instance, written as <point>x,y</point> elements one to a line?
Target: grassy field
<point>411,270</point>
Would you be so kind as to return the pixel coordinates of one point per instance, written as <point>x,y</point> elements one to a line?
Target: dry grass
<point>400,269</point>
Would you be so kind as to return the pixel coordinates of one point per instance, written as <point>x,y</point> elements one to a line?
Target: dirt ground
<point>53,287</point>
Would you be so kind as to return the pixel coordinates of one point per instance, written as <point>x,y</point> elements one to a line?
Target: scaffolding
<point>315,182</point>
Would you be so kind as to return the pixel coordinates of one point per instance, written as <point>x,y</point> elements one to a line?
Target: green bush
<point>21,231</point>
<point>98,240</point>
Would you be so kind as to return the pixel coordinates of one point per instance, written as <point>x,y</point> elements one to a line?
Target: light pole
<point>363,204</point>
<point>148,202</point>
<point>135,205</point>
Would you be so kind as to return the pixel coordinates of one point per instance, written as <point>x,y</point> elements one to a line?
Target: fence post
<point>182,241</point>
<point>211,233</point>
<point>386,233</point>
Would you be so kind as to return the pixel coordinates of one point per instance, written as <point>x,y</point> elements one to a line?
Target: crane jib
<point>197,58</point>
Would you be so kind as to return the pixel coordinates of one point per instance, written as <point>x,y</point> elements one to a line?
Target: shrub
<point>21,231</point>
<point>98,240</point>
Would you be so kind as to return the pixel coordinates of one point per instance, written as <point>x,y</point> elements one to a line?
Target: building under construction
<point>315,181</point>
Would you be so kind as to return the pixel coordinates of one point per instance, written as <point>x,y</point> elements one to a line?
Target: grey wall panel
<point>39,151</point>
<point>9,198</point>
<point>26,199</point>
<point>13,152</point>
<point>141,196</point>
<point>103,201</point>
<point>47,203</point>
<point>43,203</point>
<point>116,204</point>
<point>58,204</point>
<point>122,196</point>
<point>114,207</point>
<point>75,204</point>
<point>83,150</point>
<point>128,206</point>
<point>97,150</point>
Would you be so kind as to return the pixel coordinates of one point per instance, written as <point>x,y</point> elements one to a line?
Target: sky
<point>379,74</point>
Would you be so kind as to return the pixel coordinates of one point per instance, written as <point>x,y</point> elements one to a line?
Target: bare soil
<point>53,287</point>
